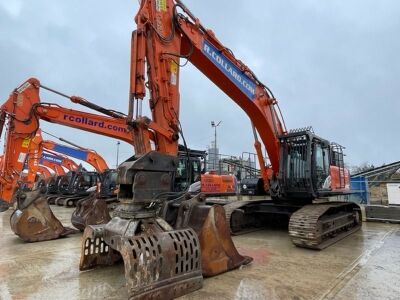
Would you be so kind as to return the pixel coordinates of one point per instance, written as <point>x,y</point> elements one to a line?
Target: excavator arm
<point>51,160</point>
<point>44,171</point>
<point>168,32</point>
<point>20,115</point>
<point>87,155</point>
<point>58,169</point>
<point>59,159</point>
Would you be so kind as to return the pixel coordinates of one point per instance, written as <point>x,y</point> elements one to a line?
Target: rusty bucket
<point>33,220</point>
<point>218,252</point>
<point>90,211</point>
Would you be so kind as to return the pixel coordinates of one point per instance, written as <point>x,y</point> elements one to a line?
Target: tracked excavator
<point>190,237</point>
<point>20,114</point>
<point>20,132</point>
<point>52,162</point>
<point>70,187</point>
<point>33,219</point>
<point>169,259</point>
<point>73,187</point>
<point>52,159</point>
<point>163,260</point>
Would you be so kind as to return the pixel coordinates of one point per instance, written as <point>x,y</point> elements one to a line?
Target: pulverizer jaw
<point>160,262</point>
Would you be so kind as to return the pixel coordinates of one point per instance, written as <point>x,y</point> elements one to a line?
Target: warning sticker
<point>161,5</point>
<point>25,142</point>
<point>21,157</point>
<point>23,87</point>
<point>174,72</point>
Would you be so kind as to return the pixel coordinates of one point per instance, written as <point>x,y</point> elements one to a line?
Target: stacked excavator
<point>168,235</point>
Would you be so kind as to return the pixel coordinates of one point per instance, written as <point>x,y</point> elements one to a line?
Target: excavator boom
<point>87,155</point>
<point>22,112</point>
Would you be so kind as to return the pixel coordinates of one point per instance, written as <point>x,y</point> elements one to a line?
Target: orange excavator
<point>42,169</point>
<point>75,184</point>
<point>160,260</point>
<point>87,155</point>
<point>56,163</point>
<point>169,259</point>
<point>22,112</point>
<point>58,159</point>
<point>21,133</point>
<point>33,219</point>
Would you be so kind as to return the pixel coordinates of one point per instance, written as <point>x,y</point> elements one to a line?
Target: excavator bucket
<point>218,252</point>
<point>33,220</point>
<point>90,211</point>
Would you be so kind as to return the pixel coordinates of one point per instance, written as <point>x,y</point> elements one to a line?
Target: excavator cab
<point>108,187</point>
<point>189,168</point>
<point>310,165</point>
<point>77,182</point>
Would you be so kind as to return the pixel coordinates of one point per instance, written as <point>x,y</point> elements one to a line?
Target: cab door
<point>320,166</point>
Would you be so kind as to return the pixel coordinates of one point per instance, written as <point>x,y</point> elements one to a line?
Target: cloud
<point>331,64</point>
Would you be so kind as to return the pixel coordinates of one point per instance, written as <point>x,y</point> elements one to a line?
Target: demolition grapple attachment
<point>160,262</point>
<point>33,220</point>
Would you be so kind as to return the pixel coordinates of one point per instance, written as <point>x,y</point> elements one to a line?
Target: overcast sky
<point>331,64</point>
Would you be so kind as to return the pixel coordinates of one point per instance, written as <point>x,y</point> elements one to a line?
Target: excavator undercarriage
<point>318,226</point>
<point>315,226</point>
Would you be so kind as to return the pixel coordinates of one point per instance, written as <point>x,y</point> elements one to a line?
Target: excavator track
<point>235,225</point>
<point>317,226</point>
<point>68,201</point>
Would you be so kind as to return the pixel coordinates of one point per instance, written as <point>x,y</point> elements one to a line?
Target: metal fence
<point>243,166</point>
<point>373,192</point>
